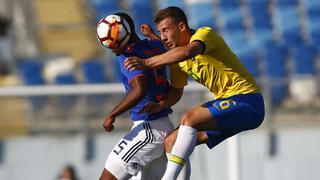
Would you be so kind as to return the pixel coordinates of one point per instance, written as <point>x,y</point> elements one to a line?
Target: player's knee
<point>169,142</point>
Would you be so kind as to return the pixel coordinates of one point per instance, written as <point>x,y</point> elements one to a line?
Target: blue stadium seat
<point>104,7</point>
<point>236,40</point>
<point>142,12</point>
<point>275,70</point>
<point>228,3</point>
<point>201,14</point>
<point>292,36</point>
<point>312,7</point>
<point>116,69</point>
<point>260,38</point>
<point>66,79</point>
<point>303,57</point>
<point>30,71</point>
<point>313,30</point>
<point>93,72</point>
<point>166,3</point>
<point>286,21</point>
<point>260,15</point>
<point>282,3</point>
<point>249,60</point>
<point>275,61</point>
<point>231,18</point>
<point>315,39</point>
<point>278,92</point>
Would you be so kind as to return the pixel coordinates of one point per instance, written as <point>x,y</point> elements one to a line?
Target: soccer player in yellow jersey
<point>203,54</point>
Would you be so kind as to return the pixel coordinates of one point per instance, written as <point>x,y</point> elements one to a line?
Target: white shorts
<point>142,145</point>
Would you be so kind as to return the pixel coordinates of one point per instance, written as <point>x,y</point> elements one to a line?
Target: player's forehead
<point>166,23</point>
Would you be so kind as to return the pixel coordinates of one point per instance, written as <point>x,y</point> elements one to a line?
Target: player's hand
<point>108,124</point>
<point>146,30</point>
<point>133,63</point>
<point>150,108</point>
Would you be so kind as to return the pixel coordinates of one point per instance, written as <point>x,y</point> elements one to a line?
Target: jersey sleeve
<point>178,78</point>
<point>207,36</point>
<point>129,74</point>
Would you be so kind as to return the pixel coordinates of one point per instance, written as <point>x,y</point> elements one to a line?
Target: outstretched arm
<point>174,55</point>
<point>132,98</point>
<point>148,32</point>
<point>170,99</point>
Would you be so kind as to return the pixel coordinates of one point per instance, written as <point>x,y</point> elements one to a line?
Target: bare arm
<point>174,55</point>
<point>148,32</point>
<point>170,99</point>
<point>132,98</point>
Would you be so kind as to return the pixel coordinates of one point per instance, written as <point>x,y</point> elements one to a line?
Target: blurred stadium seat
<point>287,23</point>
<point>201,14</point>
<point>312,7</point>
<point>104,7</point>
<point>166,3</point>
<point>231,17</point>
<point>275,71</point>
<point>251,63</point>
<point>303,83</point>
<point>67,102</point>
<point>116,70</point>
<point>141,11</point>
<point>228,3</point>
<point>304,57</point>
<point>30,71</point>
<point>259,14</point>
<point>93,72</point>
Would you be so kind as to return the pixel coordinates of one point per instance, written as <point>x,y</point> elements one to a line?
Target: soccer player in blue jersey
<point>203,55</point>
<point>145,142</point>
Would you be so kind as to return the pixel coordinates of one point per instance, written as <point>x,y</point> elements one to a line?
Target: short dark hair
<point>173,12</point>
<point>133,36</point>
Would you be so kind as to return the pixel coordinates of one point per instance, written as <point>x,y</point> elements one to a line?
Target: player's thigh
<point>138,148</point>
<point>200,118</point>
<point>237,113</point>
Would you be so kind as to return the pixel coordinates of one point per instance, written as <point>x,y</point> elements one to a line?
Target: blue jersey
<point>156,78</point>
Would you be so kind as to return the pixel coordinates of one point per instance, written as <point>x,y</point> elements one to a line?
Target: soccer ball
<point>113,31</point>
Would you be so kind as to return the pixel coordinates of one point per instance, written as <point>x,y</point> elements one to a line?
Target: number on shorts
<point>120,147</point>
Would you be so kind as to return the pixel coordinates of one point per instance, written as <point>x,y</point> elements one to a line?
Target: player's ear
<point>182,26</point>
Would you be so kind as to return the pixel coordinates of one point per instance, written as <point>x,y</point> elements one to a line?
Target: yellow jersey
<point>218,68</point>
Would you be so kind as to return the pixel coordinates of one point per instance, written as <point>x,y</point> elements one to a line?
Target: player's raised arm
<point>131,99</point>
<point>175,55</point>
<point>148,32</point>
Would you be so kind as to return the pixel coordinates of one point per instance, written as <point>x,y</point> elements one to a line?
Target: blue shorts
<point>233,115</point>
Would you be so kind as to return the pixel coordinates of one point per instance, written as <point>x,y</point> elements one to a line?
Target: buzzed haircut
<point>173,12</point>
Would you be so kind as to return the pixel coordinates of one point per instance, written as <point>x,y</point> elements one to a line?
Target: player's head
<point>133,36</point>
<point>173,25</point>
<point>117,49</point>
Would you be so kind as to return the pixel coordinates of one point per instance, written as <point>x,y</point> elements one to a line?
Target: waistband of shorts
<point>137,122</point>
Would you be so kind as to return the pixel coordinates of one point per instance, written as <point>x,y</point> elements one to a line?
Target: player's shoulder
<point>204,31</point>
<point>204,34</point>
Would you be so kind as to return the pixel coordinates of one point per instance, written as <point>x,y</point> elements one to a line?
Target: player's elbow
<point>186,53</point>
